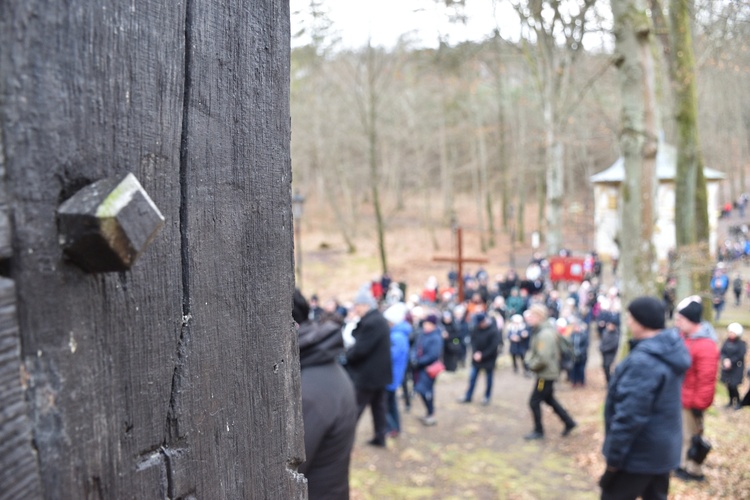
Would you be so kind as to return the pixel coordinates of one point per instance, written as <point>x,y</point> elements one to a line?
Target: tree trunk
<point>691,198</point>
<point>178,378</point>
<point>633,36</point>
<point>554,187</point>
<point>373,103</point>
<point>482,188</point>
<point>446,172</point>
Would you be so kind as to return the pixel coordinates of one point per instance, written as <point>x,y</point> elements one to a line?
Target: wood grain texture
<point>19,474</point>
<point>178,378</point>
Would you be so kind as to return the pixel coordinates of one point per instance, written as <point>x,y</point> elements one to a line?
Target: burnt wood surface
<point>178,378</point>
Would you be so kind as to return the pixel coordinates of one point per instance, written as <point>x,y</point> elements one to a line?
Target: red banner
<point>566,269</point>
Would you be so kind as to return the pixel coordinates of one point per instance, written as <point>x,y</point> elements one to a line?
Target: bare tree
<point>370,75</point>
<point>691,198</point>
<point>638,141</point>
<point>553,41</point>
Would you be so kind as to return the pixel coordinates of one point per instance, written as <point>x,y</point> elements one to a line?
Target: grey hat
<point>364,296</point>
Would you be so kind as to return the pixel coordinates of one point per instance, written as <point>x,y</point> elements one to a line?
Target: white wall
<point>607,222</point>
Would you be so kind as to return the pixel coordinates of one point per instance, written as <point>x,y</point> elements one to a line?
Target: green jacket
<point>543,356</point>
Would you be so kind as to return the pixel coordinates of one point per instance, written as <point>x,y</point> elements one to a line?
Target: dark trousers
<point>544,391</point>
<point>393,419</point>
<point>517,362</point>
<point>578,373</point>
<point>377,402</point>
<point>629,486</point>
<point>405,389</point>
<point>607,360</point>
<point>734,394</point>
<point>429,403</point>
<point>473,375</point>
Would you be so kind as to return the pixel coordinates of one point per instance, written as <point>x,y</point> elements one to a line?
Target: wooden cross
<point>459,261</point>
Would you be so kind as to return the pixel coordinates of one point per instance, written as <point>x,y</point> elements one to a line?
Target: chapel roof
<point>666,165</point>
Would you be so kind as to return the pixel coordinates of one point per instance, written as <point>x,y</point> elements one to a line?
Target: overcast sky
<point>385,20</point>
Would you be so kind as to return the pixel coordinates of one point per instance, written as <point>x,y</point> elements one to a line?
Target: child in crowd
<point>733,363</point>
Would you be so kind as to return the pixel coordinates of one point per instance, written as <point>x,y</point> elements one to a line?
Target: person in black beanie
<point>643,407</point>
<point>699,386</point>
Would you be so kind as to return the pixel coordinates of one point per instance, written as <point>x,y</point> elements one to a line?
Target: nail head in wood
<point>105,226</point>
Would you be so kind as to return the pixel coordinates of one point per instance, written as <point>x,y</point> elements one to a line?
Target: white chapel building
<point>607,204</point>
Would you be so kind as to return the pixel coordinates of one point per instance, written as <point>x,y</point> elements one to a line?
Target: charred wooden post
<point>180,377</point>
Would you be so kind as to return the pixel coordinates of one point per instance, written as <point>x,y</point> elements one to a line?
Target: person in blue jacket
<point>643,410</point>
<point>427,349</point>
<point>400,332</point>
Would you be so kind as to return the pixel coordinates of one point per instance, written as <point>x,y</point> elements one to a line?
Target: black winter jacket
<point>329,410</point>
<point>369,359</point>
<point>643,410</point>
<point>485,340</point>
<point>734,351</point>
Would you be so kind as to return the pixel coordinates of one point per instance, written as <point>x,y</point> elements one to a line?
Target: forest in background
<point>374,127</point>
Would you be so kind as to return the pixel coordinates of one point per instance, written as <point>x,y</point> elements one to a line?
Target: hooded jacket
<point>329,410</point>
<point>700,380</point>
<point>400,333</point>
<point>642,413</point>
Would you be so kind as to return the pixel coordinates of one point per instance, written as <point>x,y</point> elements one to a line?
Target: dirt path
<point>478,451</point>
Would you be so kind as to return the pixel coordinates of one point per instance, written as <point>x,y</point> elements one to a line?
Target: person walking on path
<point>733,363</point>
<point>737,288</point>
<point>427,349</point>
<point>579,338</point>
<point>400,332</point>
<point>485,339</point>
<point>543,358</point>
<point>369,362</point>
<point>699,386</point>
<point>452,341</point>
<point>329,406</point>
<point>643,408</point>
<point>518,337</point>
<point>608,346</point>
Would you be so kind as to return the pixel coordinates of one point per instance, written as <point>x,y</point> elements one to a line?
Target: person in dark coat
<point>461,320</point>
<point>518,338</point>
<point>737,288</point>
<point>608,346</point>
<point>732,357</point>
<point>642,412</point>
<point>329,406</point>
<point>369,362</point>
<point>427,349</point>
<point>485,340</point>
<point>579,338</point>
<point>452,341</point>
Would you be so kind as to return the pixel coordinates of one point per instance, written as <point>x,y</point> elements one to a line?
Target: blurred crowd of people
<point>385,348</point>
